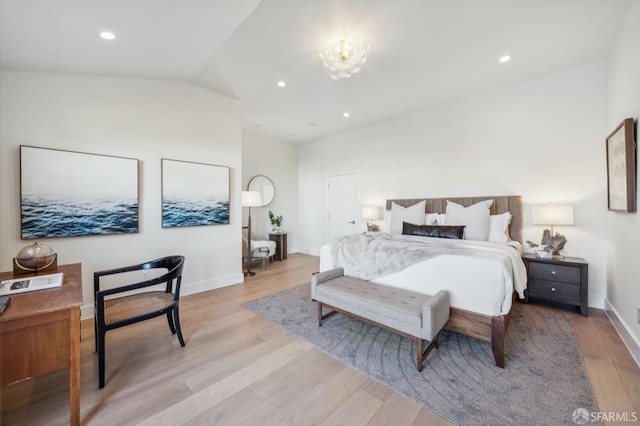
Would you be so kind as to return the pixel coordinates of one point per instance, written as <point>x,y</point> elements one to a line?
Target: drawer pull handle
<point>553,289</point>
<point>553,272</point>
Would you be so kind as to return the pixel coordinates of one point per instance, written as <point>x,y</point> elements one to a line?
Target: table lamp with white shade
<point>552,215</point>
<point>370,213</point>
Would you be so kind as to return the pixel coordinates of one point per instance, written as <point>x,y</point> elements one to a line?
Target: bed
<point>482,292</point>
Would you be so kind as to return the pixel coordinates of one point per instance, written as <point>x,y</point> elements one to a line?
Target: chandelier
<point>345,55</point>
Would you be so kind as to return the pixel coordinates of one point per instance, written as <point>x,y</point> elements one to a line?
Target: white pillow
<point>434,218</point>
<point>475,218</point>
<point>499,227</point>
<point>430,218</point>
<point>387,221</point>
<point>399,214</point>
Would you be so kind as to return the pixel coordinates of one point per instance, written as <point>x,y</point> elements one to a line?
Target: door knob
<point>353,222</point>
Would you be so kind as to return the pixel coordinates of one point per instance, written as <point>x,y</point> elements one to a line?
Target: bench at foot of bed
<point>414,315</point>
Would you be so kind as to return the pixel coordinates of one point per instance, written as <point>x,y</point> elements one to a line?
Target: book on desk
<point>4,302</point>
<point>22,285</point>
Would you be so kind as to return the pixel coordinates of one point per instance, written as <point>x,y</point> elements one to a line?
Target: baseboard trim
<point>199,287</point>
<point>312,252</point>
<point>627,338</point>
<point>86,311</point>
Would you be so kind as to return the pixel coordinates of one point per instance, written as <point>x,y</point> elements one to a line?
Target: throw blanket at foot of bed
<point>374,254</point>
<point>417,316</point>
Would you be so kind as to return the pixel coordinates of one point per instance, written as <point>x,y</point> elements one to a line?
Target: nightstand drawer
<point>551,272</point>
<point>554,290</point>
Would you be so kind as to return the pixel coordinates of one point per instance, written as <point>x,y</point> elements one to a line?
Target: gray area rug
<point>543,383</point>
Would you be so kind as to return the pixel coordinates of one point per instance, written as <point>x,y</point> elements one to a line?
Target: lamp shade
<point>552,214</point>
<point>251,199</point>
<point>371,213</point>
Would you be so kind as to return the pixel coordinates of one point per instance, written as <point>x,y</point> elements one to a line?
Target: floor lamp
<point>250,199</point>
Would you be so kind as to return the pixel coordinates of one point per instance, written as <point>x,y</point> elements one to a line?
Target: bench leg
<point>325,316</point>
<point>435,343</point>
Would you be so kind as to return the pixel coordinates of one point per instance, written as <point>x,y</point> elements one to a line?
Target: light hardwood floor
<point>238,369</point>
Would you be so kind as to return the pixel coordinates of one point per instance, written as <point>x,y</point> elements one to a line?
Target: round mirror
<point>264,186</point>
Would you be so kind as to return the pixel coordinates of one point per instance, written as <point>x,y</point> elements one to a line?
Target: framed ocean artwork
<point>69,194</point>
<point>194,194</point>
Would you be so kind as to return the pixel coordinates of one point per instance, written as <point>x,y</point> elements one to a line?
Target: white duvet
<point>480,282</point>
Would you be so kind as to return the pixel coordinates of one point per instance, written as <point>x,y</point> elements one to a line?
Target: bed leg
<point>498,331</point>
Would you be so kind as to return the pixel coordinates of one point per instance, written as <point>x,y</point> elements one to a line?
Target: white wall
<point>543,139</point>
<point>278,161</point>
<point>142,119</point>
<point>623,289</point>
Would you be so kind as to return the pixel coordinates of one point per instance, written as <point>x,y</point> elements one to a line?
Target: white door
<point>343,205</point>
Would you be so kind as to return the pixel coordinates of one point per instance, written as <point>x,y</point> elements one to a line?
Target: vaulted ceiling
<point>423,52</point>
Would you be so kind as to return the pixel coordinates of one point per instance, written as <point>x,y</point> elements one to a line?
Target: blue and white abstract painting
<point>68,194</point>
<point>194,194</point>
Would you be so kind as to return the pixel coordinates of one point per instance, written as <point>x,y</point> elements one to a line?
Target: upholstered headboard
<point>501,204</point>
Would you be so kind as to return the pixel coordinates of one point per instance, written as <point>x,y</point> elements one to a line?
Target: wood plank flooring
<point>238,369</point>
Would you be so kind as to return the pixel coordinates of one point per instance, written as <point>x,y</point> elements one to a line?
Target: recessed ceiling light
<point>107,35</point>
<point>281,83</point>
<point>346,114</point>
<point>504,58</point>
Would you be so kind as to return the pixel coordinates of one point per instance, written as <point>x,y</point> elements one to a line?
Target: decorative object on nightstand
<point>250,199</point>
<point>276,222</point>
<point>370,213</point>
<point>281,244</point>
<point>543,254</point>
<point>564,281</point>
<point>552,215</point>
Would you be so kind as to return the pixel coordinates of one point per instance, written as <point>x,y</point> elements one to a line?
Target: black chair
<point>114,312</point>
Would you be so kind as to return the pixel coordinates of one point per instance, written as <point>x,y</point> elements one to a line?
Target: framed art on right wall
<point>621,168</point>
<point>194,194</point>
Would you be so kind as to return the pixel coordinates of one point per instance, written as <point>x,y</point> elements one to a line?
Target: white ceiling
<point>423,52</point>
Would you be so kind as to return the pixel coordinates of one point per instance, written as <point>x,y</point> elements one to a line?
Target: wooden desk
<point>40,332</point>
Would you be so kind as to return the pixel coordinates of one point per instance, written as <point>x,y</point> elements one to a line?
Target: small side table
<point>561,280</point>
<point>281,244</point>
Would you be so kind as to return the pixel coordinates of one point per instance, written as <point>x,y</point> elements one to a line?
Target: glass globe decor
<point>34,258</point>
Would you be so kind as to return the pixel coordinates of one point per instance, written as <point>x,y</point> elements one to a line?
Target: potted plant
<point>276,221</point>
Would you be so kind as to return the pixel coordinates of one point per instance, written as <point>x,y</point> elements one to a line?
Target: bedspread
<point>480,278</point>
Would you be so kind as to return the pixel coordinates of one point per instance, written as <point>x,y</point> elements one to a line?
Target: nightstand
<point>281,244</point>
<point>561,280</point>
